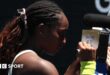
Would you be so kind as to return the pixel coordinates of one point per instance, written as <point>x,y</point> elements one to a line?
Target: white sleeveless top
<point>19,54</point>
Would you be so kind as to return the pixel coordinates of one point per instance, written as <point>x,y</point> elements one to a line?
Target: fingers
<point>108,51</point>
<point>87,52</point>
<point>108,56</point>
<point>85,46</point>
<point>81,46</point>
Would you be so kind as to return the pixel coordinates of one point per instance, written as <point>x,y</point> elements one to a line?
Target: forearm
<point>87,56</point>
<point>73,68</point>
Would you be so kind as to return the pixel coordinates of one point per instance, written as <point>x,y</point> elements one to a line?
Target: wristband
<point>87,67</point>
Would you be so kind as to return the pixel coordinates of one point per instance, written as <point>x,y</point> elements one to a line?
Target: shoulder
<point>34,65</point>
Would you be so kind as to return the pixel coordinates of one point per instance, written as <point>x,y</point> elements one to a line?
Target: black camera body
<point>102,47</point>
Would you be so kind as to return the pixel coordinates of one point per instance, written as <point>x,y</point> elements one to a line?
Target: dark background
<point>74,10</point>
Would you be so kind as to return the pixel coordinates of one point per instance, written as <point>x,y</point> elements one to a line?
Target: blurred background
<point>74,10</point>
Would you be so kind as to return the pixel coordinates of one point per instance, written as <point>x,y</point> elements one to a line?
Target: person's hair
<point>42,11</point>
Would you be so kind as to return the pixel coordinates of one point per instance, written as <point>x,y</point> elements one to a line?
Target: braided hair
<point>10,37</point>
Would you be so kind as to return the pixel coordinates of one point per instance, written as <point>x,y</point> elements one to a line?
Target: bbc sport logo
<point>3,66</point>
<point>6,66</point>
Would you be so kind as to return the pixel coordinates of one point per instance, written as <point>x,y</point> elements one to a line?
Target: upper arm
<point>34,65</point>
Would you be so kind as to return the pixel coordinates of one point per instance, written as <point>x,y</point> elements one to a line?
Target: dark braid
<point>42,11</point>
<point>8,37</point>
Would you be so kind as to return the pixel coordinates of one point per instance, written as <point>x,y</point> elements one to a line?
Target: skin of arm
<point>87,53</point>
<point>108,60</point>
<point>34,65</point>
<point>73,68</point>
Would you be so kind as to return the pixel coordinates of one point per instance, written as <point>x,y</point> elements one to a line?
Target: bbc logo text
<point>7,66</point>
